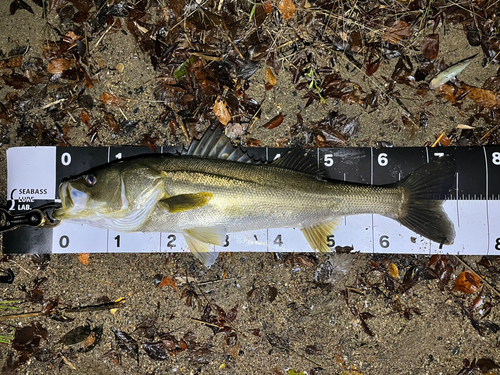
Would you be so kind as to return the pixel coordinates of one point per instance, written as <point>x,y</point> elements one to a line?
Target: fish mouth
<point>73,201</point>
<point>66,201</point>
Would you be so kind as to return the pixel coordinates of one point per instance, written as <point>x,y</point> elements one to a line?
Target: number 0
<point>64,242</point>
<point>66,159</point>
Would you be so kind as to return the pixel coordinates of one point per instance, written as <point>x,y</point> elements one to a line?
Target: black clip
<point>39,217</point>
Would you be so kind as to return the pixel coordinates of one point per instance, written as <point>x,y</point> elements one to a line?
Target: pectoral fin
<point>201,250</point>
<point>185,202</point>
<point>317,235</point>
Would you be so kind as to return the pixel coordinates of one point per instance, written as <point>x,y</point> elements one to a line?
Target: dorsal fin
<point>215,144</point>
<point>299,160</point>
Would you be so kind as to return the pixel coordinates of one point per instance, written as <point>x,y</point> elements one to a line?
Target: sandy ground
<point>288,317</point>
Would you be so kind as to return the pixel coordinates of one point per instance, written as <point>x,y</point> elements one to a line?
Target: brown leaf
<point>270,77</point>
<point>393,270</point>
<point>430,46</point>
<point>274,122</point>
<point>286,8</point>
<point>399,30</point>
<point>373,67</point>
<point>109,99</point>
<point>57,66</point>
<point>485,98</point>
<point>166,281</point>
<point>252,142</point>
<point>221,110</point>
<point>113,124</point>
<point>449,92</point>
<point>84,258</point>
<point>15,62</point>
<point>467,282</point>
<point>89,340</point>
<point>84,116</point>
<point>268,6</point>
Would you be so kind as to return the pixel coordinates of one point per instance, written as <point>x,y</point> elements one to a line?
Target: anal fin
<point>201,250</point>
<point>317,235</point>
<point>214,235</point>
<point>200,241</point>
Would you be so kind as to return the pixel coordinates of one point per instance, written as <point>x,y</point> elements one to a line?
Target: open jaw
<point>73,200</point>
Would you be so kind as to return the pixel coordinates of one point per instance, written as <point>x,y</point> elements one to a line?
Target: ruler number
<point>226,241</point>
<point>330,240</point>
<point>63,242</point>
<point>497,244</point>
<point>117,238</point>
<point>382,159</point>
<point>172,239</point>
<point>384,241</point>
<point>328,160</point>
<point>66,159</point>
<point>495,158</point>
<point>278,241</point>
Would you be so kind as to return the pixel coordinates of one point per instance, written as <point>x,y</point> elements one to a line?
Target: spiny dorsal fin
<point>299,160</point>
<point>215,144</point>
<point>317,235</point>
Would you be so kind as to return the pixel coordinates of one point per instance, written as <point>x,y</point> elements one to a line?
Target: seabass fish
<point>214,188</point>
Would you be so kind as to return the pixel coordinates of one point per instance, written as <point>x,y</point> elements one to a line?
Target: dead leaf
<point>57,66</point>
<point>270,77</point>
<point>84,116</point>
<point>393,270</point>
<point>84,258</point>
<point>430,46</point>
<point>399,30</point>
<point>221,110</point>
<point>286,8</point>
<point>166,281</point>
<point>485,98</point>
<point>89,340</point>
<point>252,142</point>
<point>467,282</point>
<point>373,67</point>
<point>268,7</point>
<point>109,99</point>
<point>113,124</point>
<point>274,122</point>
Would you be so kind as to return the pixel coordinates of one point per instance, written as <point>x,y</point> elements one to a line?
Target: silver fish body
<point>205,197</point>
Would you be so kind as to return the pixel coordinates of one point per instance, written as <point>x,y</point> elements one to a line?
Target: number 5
<point>328,160</point>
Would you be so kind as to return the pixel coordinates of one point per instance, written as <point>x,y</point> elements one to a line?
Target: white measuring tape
<point>34,174</point>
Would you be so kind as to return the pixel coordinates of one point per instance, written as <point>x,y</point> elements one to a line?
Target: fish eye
<point>91,180</point>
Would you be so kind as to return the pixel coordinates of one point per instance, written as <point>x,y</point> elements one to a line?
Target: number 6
<point>382,159</point>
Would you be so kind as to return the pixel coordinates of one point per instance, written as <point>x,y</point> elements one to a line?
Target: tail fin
<point>421,212</point>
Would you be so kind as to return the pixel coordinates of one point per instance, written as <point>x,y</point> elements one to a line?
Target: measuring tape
<point>34,174</point>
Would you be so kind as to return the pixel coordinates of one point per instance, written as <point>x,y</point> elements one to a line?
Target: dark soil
<point>96,73</point>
